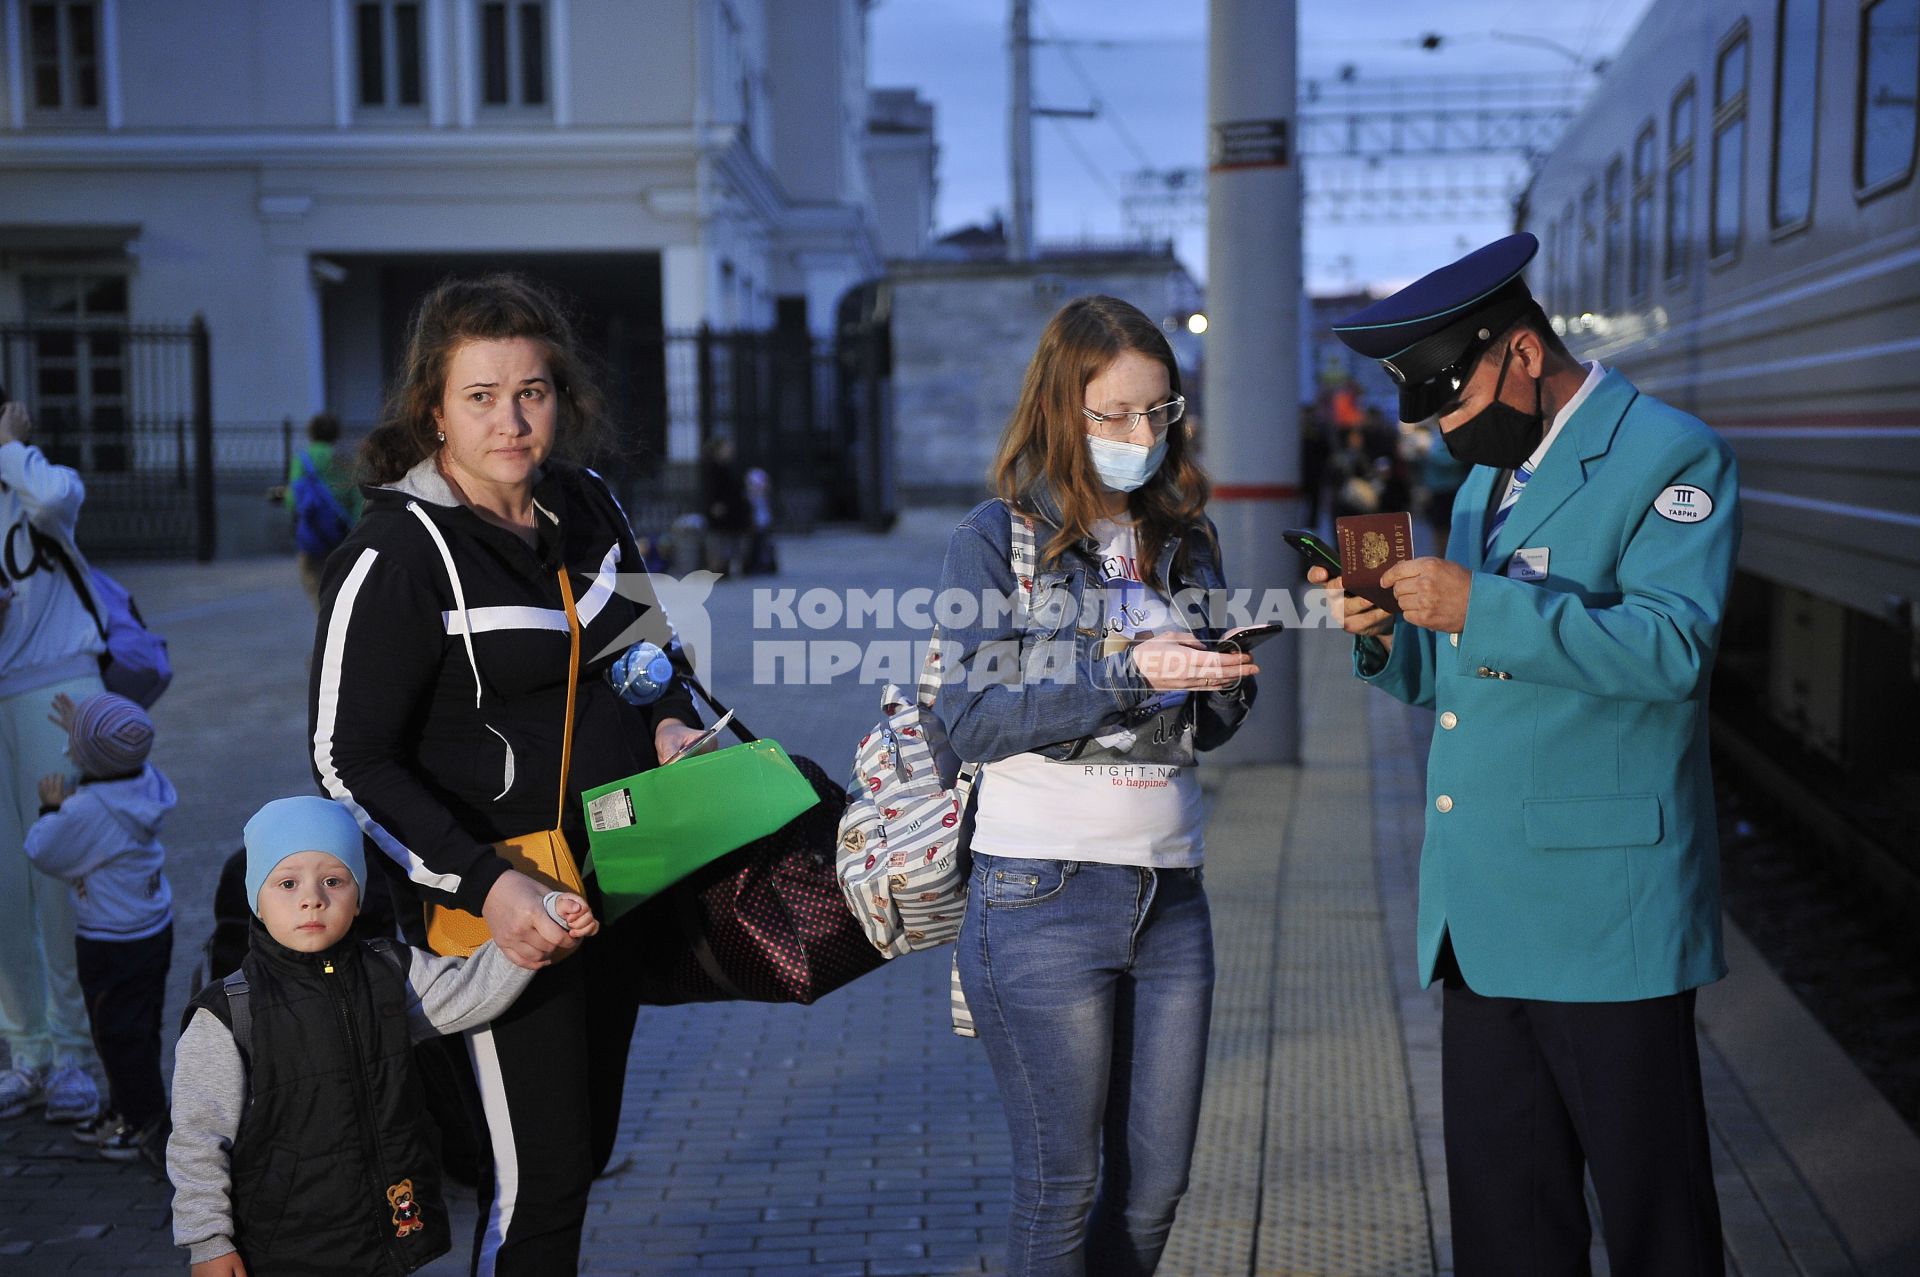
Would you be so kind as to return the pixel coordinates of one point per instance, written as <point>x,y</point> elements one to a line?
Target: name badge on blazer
<point>1528,565</point>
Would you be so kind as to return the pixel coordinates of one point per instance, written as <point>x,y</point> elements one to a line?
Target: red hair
<point>1046,438</point>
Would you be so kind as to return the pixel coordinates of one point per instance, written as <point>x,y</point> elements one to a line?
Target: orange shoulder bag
<point>544,854</point>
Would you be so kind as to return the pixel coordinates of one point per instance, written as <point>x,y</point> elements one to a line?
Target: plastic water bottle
<point>641,674</point>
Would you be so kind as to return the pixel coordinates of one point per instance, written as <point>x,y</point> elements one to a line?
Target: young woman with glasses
<point>1087,954</point>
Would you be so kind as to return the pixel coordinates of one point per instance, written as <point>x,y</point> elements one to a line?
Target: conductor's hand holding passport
<point>1379,577</point>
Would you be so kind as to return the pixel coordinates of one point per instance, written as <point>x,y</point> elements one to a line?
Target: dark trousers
<point>549,1077</point>
<point>125,984</point>
<point>1535,1093</point>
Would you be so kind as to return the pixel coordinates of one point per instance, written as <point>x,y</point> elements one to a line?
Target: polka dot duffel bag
<point>763,923</point>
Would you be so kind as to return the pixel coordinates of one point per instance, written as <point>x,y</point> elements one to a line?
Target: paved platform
<point>859,1138</point>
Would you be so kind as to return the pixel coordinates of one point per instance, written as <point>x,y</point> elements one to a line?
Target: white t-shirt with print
<point>1131,798</point>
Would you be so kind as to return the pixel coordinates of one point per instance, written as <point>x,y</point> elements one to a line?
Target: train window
<point>1796,97</point>
<point>1589,249</point>
<point>1610,240</point>
<point>1680,183</point>
<point>1640,235</point>
<point>1556,295</point>
<point>1570,300</point>
<point>1549,248</point>
<point>1889,87</point>
<point>1729,145</point>
<point>1730,68</point>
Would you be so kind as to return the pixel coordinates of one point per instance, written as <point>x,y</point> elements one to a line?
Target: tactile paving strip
<point>1307,1160</point>
<point>1215,1231</point>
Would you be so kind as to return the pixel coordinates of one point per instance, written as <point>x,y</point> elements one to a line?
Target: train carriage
<point>1734,222</point>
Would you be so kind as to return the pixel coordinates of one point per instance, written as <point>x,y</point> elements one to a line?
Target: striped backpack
<point>902,857</point>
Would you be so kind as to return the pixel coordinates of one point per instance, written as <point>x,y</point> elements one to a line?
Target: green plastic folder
<point>649,831</point>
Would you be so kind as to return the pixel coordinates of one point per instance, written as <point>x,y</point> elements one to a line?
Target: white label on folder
<point>610,811</point>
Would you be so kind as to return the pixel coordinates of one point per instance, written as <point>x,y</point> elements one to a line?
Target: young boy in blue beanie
<point>103,840</point>
<point>299,1144</point>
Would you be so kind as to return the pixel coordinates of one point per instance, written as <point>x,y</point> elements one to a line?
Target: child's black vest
<point>333,1172</point>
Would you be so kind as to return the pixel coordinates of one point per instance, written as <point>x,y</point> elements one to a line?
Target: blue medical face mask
<point>1125,466</point>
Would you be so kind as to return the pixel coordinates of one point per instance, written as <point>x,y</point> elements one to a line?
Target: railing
<point>128,405</point>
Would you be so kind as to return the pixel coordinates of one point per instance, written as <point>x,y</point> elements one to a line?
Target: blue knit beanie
<point>288,826</point>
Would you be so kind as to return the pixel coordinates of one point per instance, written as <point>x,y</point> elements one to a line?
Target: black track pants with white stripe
<point>550,1074</point>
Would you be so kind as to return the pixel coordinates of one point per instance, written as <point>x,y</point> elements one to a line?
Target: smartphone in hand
<point>701,741</point>
<point>1315,551</point>
<point>1247,637</point>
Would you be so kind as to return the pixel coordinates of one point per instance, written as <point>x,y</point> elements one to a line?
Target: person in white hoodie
<point>49,645</point>
<point>103,840</point>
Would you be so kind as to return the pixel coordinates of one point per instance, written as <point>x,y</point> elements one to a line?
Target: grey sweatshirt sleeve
<point>71,842</point>
<point>449,995</point>
<point>209,1094</point>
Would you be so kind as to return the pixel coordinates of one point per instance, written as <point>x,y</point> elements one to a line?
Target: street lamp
<point>1431,41</point>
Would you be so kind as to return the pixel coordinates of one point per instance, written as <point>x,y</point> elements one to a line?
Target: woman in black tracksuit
<point>437,698</point>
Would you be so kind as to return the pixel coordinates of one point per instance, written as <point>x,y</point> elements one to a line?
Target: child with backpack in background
<point>322,499</point>
<point>299,1143</point>
<point>103,840</point>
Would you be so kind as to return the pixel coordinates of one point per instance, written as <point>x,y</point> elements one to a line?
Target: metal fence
<point>810,412</point>
<point>777,397</point>
<point>127,405</point>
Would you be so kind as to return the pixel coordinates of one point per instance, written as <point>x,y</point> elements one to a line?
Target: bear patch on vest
<point>406,1211</point>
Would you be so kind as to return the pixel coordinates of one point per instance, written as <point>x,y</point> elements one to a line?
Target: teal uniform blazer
<point>1570,849</point>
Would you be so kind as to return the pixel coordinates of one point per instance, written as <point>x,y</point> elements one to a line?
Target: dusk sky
<point>1146,60</point>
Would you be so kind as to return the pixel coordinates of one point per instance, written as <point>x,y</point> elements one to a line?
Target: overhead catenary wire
<point>1100,104</point>
<point>1086,161</point>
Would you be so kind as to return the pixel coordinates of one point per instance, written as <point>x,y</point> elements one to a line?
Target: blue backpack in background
<point>319,523</point>
<point>135,664</point>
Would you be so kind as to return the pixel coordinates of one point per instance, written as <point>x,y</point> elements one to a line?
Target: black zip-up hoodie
<point>435,708</point>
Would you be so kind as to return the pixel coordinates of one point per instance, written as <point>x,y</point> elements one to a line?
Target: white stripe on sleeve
<point>331,654</point>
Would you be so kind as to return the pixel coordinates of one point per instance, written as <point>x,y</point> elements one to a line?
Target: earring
<point>440,436</point>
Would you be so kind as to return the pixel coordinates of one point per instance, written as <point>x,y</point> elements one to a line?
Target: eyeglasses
<point>1121,425</point>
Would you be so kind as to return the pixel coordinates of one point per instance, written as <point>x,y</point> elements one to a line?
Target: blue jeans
<point>1091,986</point>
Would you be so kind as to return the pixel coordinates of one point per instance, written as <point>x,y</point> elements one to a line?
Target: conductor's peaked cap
<point>1422,332</point>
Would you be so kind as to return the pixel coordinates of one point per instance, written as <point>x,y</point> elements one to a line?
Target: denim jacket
<point>1052,688</point>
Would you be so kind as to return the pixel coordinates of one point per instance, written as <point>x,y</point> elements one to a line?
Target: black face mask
<point>1499,435</point>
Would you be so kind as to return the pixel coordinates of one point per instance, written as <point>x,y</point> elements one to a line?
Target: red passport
<point>1369,545</point>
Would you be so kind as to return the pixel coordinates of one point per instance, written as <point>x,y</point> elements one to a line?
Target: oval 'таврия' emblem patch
<point>1684,503</point>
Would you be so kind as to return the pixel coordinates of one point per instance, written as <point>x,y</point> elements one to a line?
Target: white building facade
<point>902,164</point>
<point>300,171</point>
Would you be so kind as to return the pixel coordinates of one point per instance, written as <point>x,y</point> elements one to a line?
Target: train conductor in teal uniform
<point>1569,877</point>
